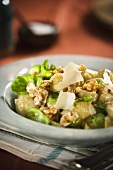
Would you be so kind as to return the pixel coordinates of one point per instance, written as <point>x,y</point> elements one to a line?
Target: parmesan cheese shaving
<point>107,77</point>
<point>71,75</point>
<point>65,100</point>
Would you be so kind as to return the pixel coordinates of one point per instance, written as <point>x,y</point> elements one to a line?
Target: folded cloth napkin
<point>47,154</point>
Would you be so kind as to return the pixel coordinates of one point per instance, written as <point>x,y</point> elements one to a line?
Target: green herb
<point>99,80</point>
<point>99,105</point>
<point>100,108</point>
<point>96,121</point>
<point>36,115</point>
<point>86,99</point>
<point>52,67</point>
<point>45,70</point>
<point>20,83</point>
<point>52,98</point>
<point>38,81</point>
<point>36,69</point>
<point>78,124</point>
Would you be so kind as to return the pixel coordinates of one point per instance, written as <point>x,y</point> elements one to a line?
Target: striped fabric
<point>42,152</point>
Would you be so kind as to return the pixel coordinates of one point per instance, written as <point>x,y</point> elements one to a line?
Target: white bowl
<point>35,130</point>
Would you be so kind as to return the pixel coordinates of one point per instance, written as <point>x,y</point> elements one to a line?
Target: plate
<point>34,130</point>
<point>103,10</point>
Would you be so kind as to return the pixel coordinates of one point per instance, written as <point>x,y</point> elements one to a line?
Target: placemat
<point>44,153</point>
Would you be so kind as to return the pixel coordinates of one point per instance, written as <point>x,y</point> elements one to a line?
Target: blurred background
<point>79,28</point>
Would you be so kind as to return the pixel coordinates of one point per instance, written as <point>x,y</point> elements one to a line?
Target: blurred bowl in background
<point>103,11</point>
<point>38,34</point>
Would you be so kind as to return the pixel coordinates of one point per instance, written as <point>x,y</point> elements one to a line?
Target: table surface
<point>80,33</point>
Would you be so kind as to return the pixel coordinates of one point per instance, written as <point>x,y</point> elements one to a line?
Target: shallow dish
<point>34,130</point>
<point>103,10</point>
<point>38,34</point>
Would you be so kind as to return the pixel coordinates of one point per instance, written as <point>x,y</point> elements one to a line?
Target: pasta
<point>71,96</point>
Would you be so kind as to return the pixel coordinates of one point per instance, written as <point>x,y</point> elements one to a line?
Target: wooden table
<point>80,33</point>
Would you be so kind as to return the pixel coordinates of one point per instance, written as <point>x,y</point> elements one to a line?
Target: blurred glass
<point>6,35</point>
